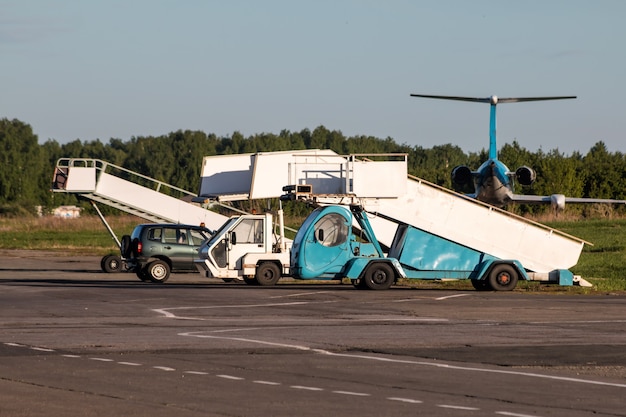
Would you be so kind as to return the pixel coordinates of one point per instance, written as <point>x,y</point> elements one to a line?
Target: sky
<point>102,69</point>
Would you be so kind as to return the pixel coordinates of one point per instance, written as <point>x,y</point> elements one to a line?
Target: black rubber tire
<point>503,277</point>
<point>359,284</point>
<point>250,281</point>
<point>134,248</point>
<point>158,271</point>
<point>125,248</point>
<point>142,274</point>
<point>111,264</point>
<point>481,285</point>
<point>378,276</point>
<point>267,274</point>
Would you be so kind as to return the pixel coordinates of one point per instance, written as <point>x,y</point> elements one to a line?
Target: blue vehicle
<point>328,246</point>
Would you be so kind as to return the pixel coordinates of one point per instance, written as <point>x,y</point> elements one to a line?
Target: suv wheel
<point>158,271</point>
<point>142,274</point>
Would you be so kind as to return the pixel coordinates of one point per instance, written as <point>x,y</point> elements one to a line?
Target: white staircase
<point>381,184</point>
<point>131,192</point>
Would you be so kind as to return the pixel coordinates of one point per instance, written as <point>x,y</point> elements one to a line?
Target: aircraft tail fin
<point>493,101</point>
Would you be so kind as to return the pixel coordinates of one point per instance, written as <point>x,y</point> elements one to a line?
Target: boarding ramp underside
<point>381,184</point>
<point>131,192</point>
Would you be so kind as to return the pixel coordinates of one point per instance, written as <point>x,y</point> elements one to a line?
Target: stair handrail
<point>109,168</point>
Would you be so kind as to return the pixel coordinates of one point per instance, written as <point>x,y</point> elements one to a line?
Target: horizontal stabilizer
<point>494,99</point>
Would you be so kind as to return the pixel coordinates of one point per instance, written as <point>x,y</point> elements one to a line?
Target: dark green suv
<point>152,251</point>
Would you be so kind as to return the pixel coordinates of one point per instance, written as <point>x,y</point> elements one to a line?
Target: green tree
<point>604,173</point>
<point>21,167</point>
<point>558,174</point>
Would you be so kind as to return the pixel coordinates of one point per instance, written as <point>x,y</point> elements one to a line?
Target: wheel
<point>134,247</point>
<point>125,248</point>
<point>480,285</point>
<point>378,276</point>
<point>142,274</point>
<point>250,281</point>
<point>267,274</point>
<point>503,277</point>
<point>359,284</point>
<point>158,271</point>
<point>111,264</point>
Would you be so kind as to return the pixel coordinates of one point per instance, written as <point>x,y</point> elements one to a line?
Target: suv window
<point>170,235</point>
<point>196,237</point>
<point>154,234</point>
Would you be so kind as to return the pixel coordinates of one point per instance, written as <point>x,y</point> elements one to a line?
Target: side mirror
<point>233,238</point>
<point>320,235</point>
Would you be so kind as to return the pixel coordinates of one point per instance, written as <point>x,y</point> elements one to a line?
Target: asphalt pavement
<point>77,341</point>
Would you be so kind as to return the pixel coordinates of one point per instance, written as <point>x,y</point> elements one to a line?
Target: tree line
<point>26,167</point>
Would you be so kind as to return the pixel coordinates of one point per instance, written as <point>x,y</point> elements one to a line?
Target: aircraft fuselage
<point>492,183</point>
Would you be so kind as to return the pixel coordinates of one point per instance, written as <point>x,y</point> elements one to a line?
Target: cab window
<point>331,230</point>
<point>249,231</point>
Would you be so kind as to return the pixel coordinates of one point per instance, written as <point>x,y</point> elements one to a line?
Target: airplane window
<point>335,230</point>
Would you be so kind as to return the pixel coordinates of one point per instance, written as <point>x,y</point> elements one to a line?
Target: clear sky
<point>88,69</point>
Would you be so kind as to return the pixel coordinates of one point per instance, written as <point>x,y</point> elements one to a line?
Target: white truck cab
<point>246,248</point>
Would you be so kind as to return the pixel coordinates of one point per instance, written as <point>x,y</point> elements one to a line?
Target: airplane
<point>493,181</point>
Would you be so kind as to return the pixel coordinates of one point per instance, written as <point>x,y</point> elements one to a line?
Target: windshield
<point>218,234</point>
<point>300,234</point>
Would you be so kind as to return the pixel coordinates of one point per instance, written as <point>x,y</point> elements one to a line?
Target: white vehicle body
<point>245,248</point>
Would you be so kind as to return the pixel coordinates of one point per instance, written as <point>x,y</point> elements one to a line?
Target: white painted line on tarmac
<point>167,312</point>
<point>506,413</point>
<point>473,369</point>
<point>266,382</point>
<point>300,294</point>
<point>242,339</point>
<point>234,378</point>
<point>408,362</point>
<point>447,297</point>
<point>405,400</point>
<point>356,394</point>
<point>578,322</point>
<point>243,329</point>
<point>303,387</point>
<point>42,349</point>
<point>458,407</point>
<point>164,368</point>
<point>14,344</point>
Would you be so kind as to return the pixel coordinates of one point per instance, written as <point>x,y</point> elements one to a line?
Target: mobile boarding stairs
<point>379,182</point>
<point>382,186</point>
<point>101,182</point>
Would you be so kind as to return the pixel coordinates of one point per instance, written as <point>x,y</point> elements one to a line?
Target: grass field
<point>603,264</point>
